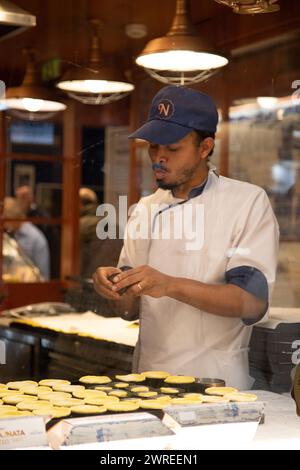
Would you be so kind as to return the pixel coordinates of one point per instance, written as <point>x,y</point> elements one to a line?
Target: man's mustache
<point>158,167</point>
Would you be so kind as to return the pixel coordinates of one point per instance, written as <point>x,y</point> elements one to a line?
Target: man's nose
<point>160,155</point>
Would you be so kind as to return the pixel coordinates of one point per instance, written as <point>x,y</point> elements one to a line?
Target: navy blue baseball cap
<point>175,112</point>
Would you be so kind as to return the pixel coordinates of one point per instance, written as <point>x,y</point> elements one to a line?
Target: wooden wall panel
<point>70,253</point>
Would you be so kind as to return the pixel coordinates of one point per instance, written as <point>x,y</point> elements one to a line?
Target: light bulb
<point>32,105</point>
<point>95,86</point>
<point>181,61</point>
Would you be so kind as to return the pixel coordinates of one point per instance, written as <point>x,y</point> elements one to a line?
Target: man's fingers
<point>133,279</point>
<point>106,293</point>
<point>102,285</point>
<point>102,274</point>
<point>127,274</point>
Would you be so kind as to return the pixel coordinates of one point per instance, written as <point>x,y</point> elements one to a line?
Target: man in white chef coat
<point>203,274</point>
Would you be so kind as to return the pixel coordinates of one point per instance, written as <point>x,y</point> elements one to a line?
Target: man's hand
<point>102,285</point>
<point>143,280</point>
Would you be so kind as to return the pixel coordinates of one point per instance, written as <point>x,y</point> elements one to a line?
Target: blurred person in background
<point>26,200</point>
<point>94,252</point>
<point>32,241</point>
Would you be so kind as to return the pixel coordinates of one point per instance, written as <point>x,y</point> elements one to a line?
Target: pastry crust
<point>153,404</point>
<point>95,379</point>
<point>156,374</point>
<point>89,394</point>
<point>68,388</point>
<point>147,394</point>
<point>180,379</point>
<point>220,391</point>
<point>123,407</point>
<point>17,398</point>
<point>54,412</point>
<point>169,390</point>
<point>241,397</point>
<point>88,410</point>
<point>32,405</point>
<point>50,396</point>
<point>118,393</point>
<point>131,378</point>
<point>101,401</point>
<point>54,382</point>
<point>19,384</point>
<point>34,390</point>
<point>215,399</point>
<point>186,401</point>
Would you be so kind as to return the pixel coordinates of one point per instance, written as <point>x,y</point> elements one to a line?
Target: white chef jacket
<point>239,229</point>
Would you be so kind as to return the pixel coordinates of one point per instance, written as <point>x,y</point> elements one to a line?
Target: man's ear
<point>206,146</point>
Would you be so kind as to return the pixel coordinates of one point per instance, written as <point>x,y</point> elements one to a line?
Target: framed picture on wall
<point>24,175</point>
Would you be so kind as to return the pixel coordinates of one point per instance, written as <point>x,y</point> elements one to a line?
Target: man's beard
<point>186,176</point>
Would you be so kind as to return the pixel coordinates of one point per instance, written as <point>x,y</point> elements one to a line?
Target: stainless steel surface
<point>14,20</point>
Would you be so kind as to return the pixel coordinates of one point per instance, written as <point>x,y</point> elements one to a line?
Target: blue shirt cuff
<point>251,280</point>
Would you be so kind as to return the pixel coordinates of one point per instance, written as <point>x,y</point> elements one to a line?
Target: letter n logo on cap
<point>166,109</point>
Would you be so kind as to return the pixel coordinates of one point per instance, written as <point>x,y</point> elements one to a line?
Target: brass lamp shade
<point>181,56</point>
<point>95,83</point>
<point>31,100</point>
<point>78,80</point>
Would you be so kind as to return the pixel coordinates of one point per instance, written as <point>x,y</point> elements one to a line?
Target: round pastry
<point>17,398</point>
<point>88,410</point>
<point>101,401</point>
<point>192,396</point>
<point>67,402</point>
<point>95,379</point>
<point>214,399</point>
<point>50,396</point>
<point>121,385</point>
<point>34,390</point>
<point>68,388</point>
<point>89,394</point>
<point>15,414</point>
<point>139,389</point>
<point>241,397</point>
<point>152,404</point>
<point>131,378</point>
<point>169,390</point>
<point>104,388</point>
<point>118,393</point>
<point>156,374</point>
<point>3,387</point>
<point>155,378</point>
<point>54,382</point>
<point>220,391</point>
<point>133,400</point>
<point>32,405</point>
<point>186,401</point>
<point>5,408</point>
<point>147,394</point>
<point>5,393</point>
<point>54,412</point>
<point>18,385</point>
<point>179,379</point>
<point>122,407</point>
<point>164,398</point>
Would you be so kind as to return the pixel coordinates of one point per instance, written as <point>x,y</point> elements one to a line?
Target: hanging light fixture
<point>31,100</point>
<point>95,83</point>
<point>251,7</point>
<point>181,57</point>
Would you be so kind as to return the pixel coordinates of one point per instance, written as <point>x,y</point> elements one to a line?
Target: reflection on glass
<point>17,267</point>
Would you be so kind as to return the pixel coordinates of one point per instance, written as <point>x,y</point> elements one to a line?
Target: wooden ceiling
<point>62,32</point>
<point>62,28</point>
